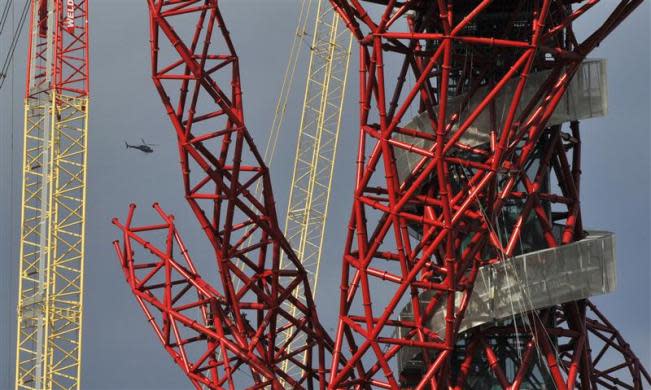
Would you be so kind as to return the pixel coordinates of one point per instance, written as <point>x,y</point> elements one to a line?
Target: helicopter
<point>144,147</point>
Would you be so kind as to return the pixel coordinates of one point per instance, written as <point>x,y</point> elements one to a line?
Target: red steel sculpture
<point>212,334</point>
<point>458,149</point>
<point>418,238</point>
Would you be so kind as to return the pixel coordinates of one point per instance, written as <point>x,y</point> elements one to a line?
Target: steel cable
<point>14,42</point>
<point>8,196</point>
<point>5,14</point>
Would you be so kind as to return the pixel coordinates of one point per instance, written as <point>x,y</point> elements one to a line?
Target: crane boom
<point>48,349</point>
<point>316,148</point>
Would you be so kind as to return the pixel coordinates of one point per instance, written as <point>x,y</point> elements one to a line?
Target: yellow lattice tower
<point>50,298</point>
<point>316,150</point>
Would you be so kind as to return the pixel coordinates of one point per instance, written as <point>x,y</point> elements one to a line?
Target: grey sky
<point>120,351</point>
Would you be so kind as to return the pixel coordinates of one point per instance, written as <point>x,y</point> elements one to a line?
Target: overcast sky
<point>120,350</point>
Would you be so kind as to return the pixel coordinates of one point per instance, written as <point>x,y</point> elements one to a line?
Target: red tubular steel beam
<point>414,241</point>
<point>195,70</point>
<point>456,191</point>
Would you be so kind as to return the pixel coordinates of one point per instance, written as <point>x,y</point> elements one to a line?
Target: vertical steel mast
<point>50,298</point>
<point>316,149</point>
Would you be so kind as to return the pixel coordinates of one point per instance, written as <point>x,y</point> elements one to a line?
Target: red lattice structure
<point>211,334</point>
<point>468,204</point>
<point>432,205</point>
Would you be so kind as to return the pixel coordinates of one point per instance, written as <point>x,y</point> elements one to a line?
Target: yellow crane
<point>316,145</point>
<point>49,328</point>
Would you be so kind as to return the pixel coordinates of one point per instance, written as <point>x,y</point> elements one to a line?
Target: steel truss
<point>316,148</point>
<point>197,76</point>
<point>50,300</point>
<point>468,204</point>
<point>415,240</point>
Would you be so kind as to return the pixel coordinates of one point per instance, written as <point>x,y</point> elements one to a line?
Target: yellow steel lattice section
<point>316,150</point>
<point>35,250</point>
<point>52,243</point>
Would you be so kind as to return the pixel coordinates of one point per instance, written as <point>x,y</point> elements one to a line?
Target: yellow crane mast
<point>316,148</point>
<point>50,297</point>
